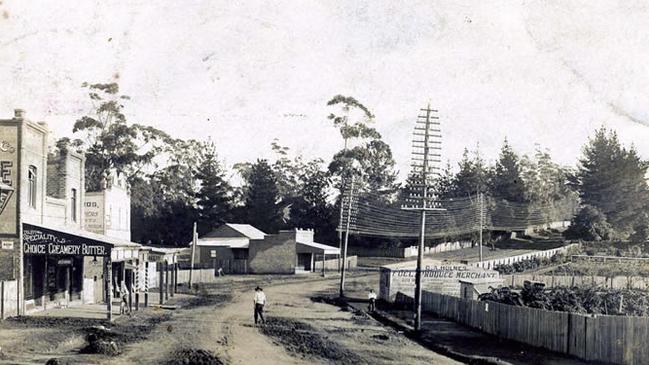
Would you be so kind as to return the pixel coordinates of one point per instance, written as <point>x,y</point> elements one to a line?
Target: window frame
<point>32,190</point>
<point>73,204</point>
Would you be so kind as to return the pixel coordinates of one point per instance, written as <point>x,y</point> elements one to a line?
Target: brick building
<point>46,252</point>
<point>242,248</point>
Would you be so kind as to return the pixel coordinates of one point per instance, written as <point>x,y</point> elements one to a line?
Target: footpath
<point>462,343</point>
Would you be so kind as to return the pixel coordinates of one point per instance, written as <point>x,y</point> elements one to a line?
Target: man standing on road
<point>260,301</point>
<point>372,299</point>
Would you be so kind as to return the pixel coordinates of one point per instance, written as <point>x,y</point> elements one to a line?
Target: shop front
<point>63,266</point>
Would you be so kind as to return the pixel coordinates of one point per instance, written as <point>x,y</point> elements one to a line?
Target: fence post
<point>172,290</point>
<point>161,283</point>
<point>166,266</point>
<point>176,278</point>
<point>2,300</point>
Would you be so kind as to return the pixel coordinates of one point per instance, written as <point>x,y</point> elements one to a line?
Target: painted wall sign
<point>94,214</point>
<point>8,179</point>
<point>441,278</point>
<point>42,241</point>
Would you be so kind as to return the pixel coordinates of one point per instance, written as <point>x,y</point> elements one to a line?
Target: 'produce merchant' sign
<point>436,276</point>
<point>43,241</point>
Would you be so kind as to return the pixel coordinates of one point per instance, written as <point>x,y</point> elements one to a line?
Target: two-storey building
<point>46,247</point>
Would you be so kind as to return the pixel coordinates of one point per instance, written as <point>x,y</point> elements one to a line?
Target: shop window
<point>73,204</point>
<point>31,192</point>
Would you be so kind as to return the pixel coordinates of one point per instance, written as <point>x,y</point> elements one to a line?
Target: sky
<point>243,73</point>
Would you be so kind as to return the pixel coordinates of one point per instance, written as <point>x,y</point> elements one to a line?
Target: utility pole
<point>481,207</point>
<point>340,233</point>
<point>349,218</point>
<point>427,137</point>
<point>191,269</point>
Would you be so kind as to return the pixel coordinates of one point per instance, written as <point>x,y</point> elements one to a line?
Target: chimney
<point>19,114</point>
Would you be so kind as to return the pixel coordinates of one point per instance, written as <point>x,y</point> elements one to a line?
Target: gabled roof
<point>231,235</point>
<point>233,230</point>
<point>247,230</point>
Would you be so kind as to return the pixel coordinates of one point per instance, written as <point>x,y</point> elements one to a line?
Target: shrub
<point>590,224</point>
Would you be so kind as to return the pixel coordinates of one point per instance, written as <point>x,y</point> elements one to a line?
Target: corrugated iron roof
<point>233,242</point>
<point>115,242</point>
<point>247,230</point>
<point>329,250</point>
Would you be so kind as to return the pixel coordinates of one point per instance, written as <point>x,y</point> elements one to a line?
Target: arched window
<point>32,176</point>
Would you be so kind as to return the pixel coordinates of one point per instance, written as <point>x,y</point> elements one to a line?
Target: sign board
<point>8,179</point>
<point>437,276</point>
<point>7,245</point>
<point>43,241</point>
<point>156,257</point>
<point>93,215</point>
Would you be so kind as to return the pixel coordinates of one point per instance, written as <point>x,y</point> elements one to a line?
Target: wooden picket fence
<point>611,339</point>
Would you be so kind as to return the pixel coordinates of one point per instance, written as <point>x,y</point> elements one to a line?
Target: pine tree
<point>214,198</point>
<point>612,179</point>
<point>262,208</point>
<point>506,180</point>
<point>471,178</point>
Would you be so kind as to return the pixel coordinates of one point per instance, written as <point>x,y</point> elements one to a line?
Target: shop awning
<point>161,254</point>
<point>314,247</point>
<point>45,239</point>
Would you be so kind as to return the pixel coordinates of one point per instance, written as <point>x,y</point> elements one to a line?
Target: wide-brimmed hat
<point>257,289</point>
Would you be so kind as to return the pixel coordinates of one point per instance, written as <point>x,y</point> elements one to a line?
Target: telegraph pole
<point>340,233</point>
<point>344,251</point>
<point>191,269</point>
<point>427,137</point>
<point>481,207</point>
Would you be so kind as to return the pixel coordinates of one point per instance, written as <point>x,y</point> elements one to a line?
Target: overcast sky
<point>246,72</point>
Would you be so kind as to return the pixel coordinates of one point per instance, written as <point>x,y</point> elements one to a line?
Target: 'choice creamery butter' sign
<point>437,276</point>
<point>42,241</point>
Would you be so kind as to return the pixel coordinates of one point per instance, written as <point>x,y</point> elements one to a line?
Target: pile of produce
<point>592,300</point>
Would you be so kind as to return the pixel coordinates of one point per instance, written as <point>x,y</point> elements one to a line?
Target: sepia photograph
<point>210,182</point>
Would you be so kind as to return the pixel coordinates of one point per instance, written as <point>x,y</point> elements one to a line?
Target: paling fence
<point>551,281</point>
<point>410,251</point>
<point>491,263</point>
<point>198,276</point>
<point>369,215</point>
<point>611,339</point>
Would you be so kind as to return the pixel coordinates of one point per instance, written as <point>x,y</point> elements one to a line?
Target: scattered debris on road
<point>303,339</point>
<point>194,357</point>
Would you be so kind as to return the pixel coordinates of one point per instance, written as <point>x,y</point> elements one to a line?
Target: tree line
<point>175,182</point>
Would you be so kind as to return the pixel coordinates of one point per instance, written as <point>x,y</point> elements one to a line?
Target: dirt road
<point>298,331</point>
<point>216,327</point>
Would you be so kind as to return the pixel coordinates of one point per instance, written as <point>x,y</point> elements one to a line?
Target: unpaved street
<point>217,327</point>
